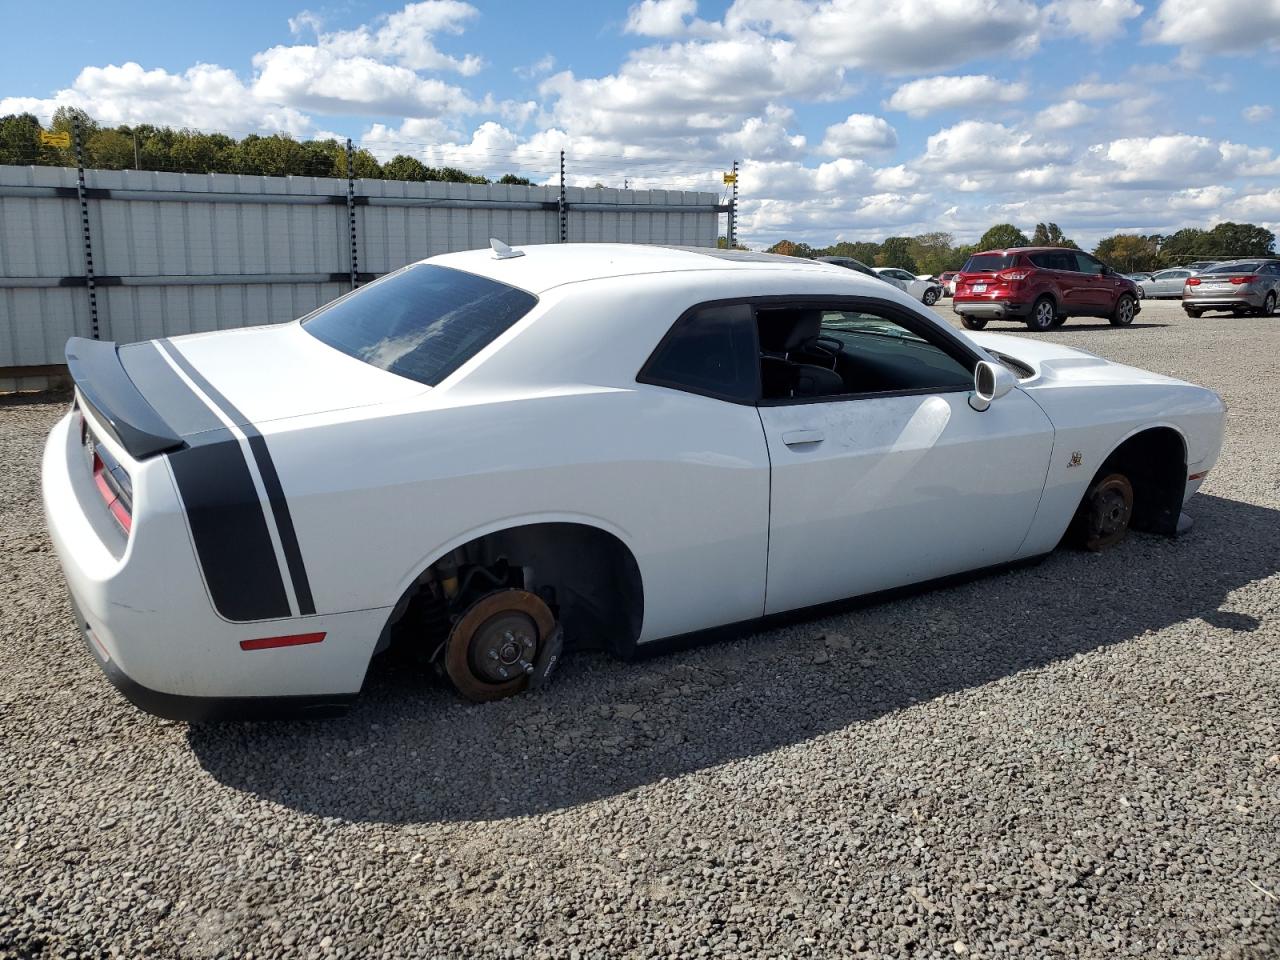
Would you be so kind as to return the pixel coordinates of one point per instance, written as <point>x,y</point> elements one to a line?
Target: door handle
<point>798,438</point>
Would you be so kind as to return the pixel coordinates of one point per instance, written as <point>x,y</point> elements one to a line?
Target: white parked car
<point>926,291</point>
<point>488,452</point>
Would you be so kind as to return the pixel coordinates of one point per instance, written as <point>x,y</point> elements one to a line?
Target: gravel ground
<point>1079,759</point>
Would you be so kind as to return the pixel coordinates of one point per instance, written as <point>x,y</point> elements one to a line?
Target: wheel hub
<point>503,647</point>
<point>1109,509</point>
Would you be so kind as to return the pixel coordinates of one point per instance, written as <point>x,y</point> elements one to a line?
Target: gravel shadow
<point>411,752</point>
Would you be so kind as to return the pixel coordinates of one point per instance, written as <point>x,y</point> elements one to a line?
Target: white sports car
<point>487,453</point>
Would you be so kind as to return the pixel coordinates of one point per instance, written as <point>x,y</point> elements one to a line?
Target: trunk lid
<point>253,376</point>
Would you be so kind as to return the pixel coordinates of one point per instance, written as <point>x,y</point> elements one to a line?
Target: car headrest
<point>782,331</point>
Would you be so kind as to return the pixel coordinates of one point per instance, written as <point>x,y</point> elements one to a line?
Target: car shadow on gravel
<point>411,752</point>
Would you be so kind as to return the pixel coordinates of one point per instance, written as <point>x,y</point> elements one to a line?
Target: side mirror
<point>991,381</point>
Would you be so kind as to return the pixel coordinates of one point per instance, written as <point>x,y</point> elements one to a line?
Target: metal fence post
<point>351,214</point>
<point>84,225</point>
<point>732,234</point>
<point>564,205</point>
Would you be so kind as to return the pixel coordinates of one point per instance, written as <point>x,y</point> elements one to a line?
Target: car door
<point>1169,283</point>
<point>897,480</point>
<point>1097,287</point>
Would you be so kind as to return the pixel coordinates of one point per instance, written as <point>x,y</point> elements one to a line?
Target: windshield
<point>422,322</point>
<point>989,262</point>
<point>1233,268</point>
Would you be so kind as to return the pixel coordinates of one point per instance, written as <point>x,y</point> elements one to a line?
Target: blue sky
<point>853,118</point>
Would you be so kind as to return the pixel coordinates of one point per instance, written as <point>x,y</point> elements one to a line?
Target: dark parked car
<point>851,264</point>
<point>1041,287</point>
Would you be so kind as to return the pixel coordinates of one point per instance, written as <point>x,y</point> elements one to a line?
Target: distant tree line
<point>146,147</point>
<point>935,253</point>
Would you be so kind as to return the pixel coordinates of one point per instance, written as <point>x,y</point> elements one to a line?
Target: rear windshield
<point>423,322</point>
<point>1233,268</point>
<point>989,262</point>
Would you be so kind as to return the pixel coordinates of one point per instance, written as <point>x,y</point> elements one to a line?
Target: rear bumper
<point>991,309</point>
<point>173,706</point>
<point>1224,302</point>
<point>141,605</point>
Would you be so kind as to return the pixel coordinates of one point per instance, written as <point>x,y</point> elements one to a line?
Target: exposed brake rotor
<point>493,647</point>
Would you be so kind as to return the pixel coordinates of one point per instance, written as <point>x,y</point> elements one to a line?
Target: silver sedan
<point>1243,287</point>
<point>1166,283</point>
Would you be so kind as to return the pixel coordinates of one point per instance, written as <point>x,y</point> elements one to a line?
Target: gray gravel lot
<point>1079,759</point>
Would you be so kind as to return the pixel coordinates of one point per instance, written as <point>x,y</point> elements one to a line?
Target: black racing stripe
<point>270,482</point>
<point>161,387</point>
<point>284,522</point>
<point>229,528</point>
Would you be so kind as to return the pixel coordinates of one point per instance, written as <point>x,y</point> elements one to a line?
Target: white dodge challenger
<point>489,454</point>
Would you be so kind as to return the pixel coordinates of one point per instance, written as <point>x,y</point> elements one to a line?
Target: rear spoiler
<point>105,388</point>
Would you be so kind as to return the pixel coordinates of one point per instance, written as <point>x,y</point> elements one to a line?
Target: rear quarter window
<point>423,322</point>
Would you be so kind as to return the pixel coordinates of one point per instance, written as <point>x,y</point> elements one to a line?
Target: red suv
<point>1041,286</point>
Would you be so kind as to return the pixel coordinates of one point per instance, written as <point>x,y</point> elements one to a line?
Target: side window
<point>1045,261</point>
<point>812,352</point>
<point>1088,264</point>
<point>711,352</point>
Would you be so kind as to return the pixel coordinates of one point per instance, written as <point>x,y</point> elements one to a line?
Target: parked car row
<point>923,287</point>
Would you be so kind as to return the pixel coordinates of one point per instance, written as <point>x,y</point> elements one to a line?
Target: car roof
<point>543,266</point>
<point>1008,250</point>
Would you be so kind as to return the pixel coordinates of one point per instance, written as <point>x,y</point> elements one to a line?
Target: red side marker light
<point>268,643</point>
<point>1198,476</point>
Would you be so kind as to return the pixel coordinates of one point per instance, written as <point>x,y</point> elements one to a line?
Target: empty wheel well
<point>587,575</point>
<point>1155,461</point>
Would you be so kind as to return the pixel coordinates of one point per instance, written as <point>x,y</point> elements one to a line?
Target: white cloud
<point>540,67</point>
<point>895,36</point>
<point>1261,205</point>
<point>1061,116</point>
<point>1258,113</point>
<point>1096,89</point>
<point>404,36</point>
<point>919,98</point>
<point>859,133</point>
<point>1179,161</point>
<point>1098,21</point>
<point>1217,26</point>
<point>320,80</point>
<point>685,95</point>
<point>667,18</point>
<point>980,146</point>
<point>765,138</point>
<point>205,97</point>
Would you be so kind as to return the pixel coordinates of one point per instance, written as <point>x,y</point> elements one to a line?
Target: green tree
<point>110,150</point>
<point>194,152</point>
<point>788,248</point>
<point>959,255</point>
<point>20,141</point>
<point>512,179</point>
<point>1128,252</point>
<point>931,251</point>
<point>722,243</point>
<point>896,252</point>
<point>404,167</point>
<point>273,156</point>
<point>1049,235</point>
<point>1190,243</point>
<point>454,175</point>
<point>1238,240</point>
<point>1003,236</point>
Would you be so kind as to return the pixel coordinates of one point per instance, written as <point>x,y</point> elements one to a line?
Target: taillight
<point>113,485</point>
<point>1193,282</point>
<point>1248,279</point>
<point>1013,274</point>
